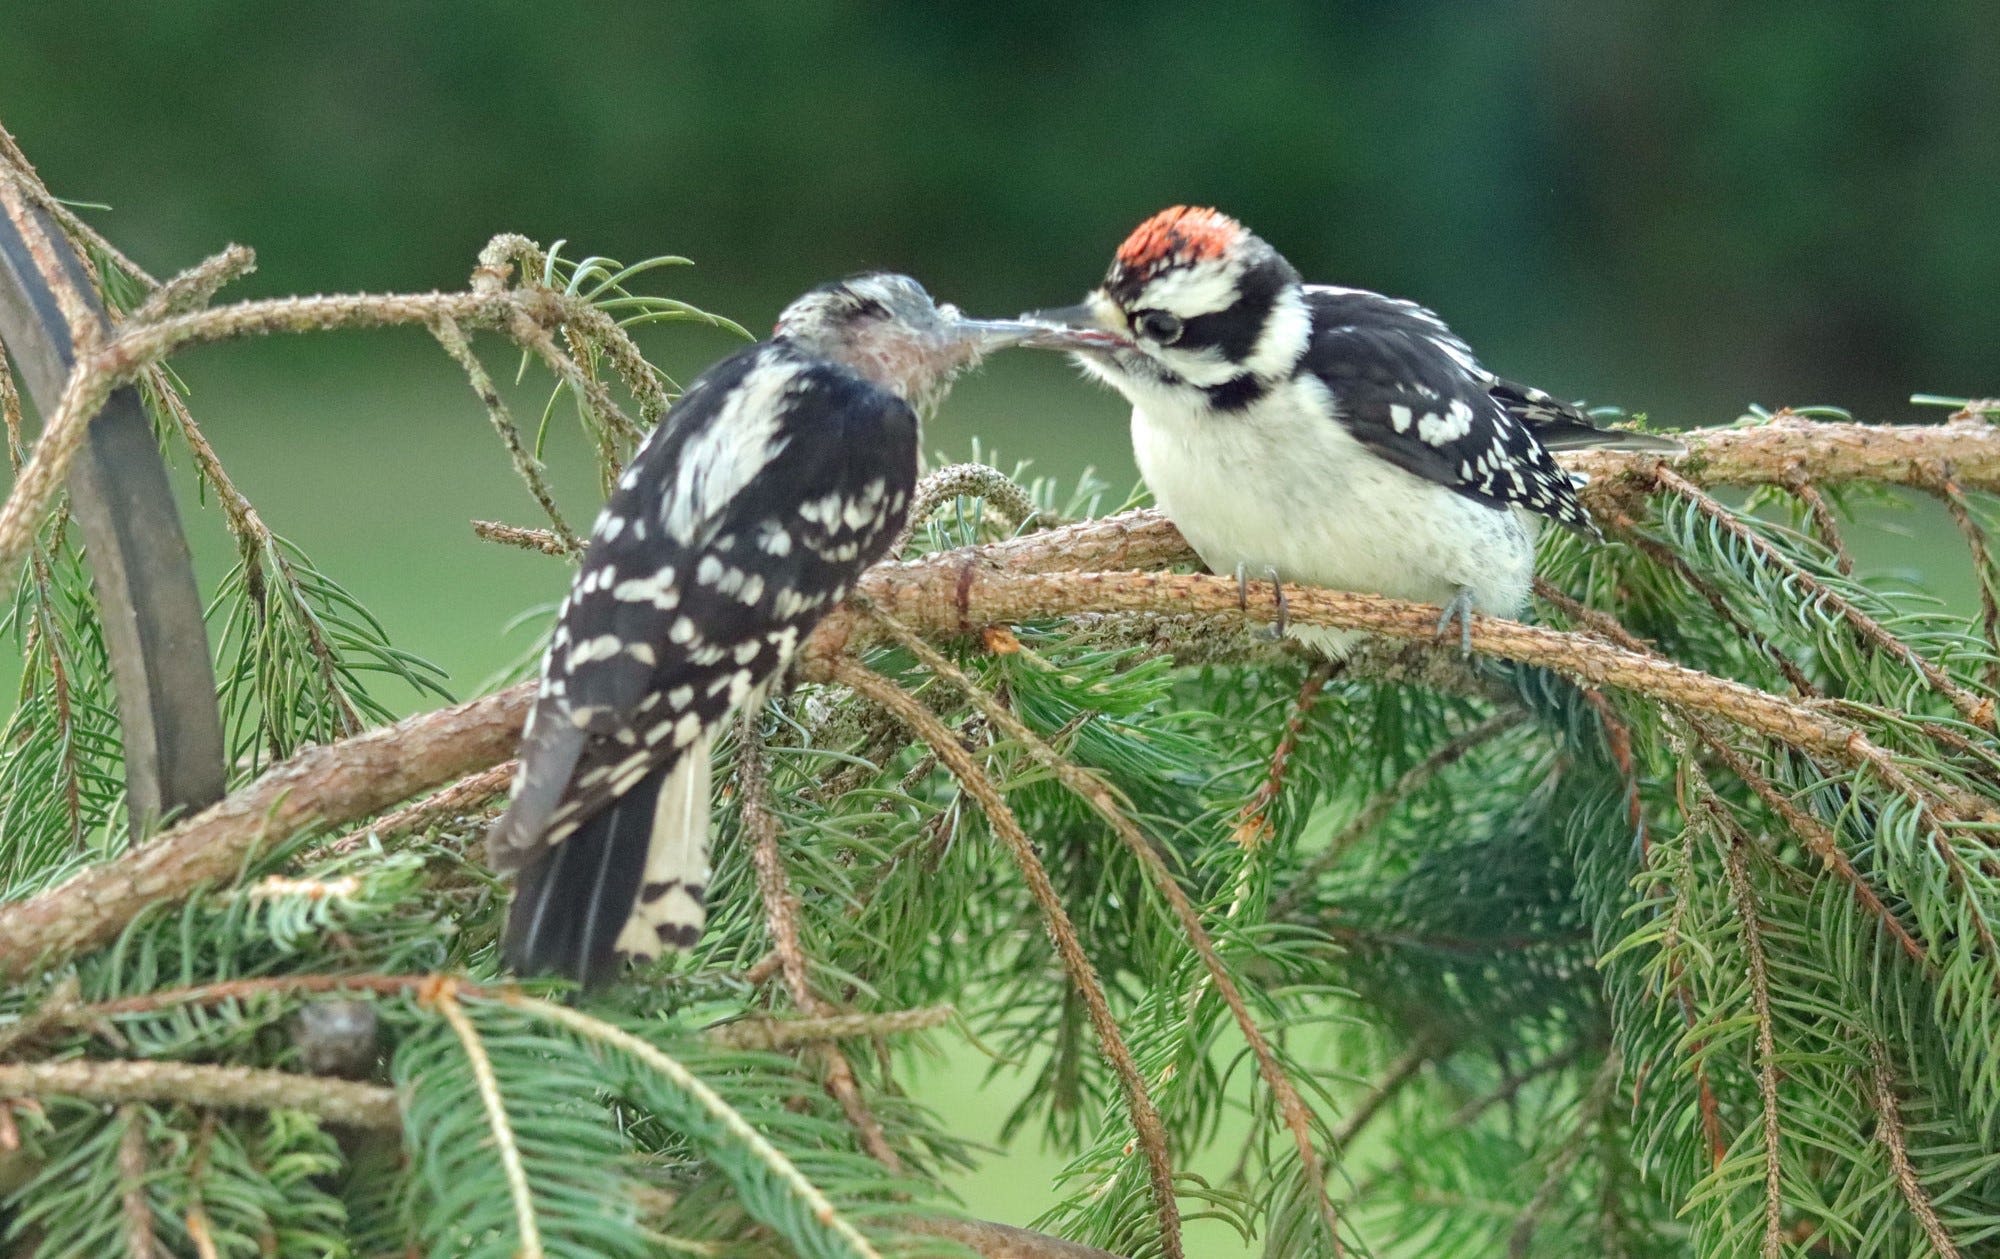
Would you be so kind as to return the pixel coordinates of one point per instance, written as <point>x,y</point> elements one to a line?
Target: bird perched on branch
<point>781,474</point>
<point>1330,436</point>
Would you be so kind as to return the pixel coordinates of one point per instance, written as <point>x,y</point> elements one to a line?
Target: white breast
<point>1281,485</point>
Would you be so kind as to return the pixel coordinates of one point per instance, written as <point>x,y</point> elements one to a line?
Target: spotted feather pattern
<point>1407,388</point>
<point>742,521</point>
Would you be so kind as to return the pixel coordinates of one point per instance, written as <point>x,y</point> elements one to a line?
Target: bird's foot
<point>1276,631</point>
<point>1460,610</point>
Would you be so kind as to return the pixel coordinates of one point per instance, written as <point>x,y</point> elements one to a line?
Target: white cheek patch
<point>1283,339</point>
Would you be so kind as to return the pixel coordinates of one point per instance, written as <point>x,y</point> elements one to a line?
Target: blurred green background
<point>1678,208</point>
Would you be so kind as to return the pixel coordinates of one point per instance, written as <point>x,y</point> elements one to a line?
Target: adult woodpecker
<point>1330,436</point>
<point>782,473</point>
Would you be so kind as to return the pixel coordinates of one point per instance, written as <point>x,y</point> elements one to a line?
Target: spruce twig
<point>1152,1135</point>
<point>1089,788</point>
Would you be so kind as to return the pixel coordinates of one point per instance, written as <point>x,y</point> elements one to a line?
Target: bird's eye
<point>1158,325</point>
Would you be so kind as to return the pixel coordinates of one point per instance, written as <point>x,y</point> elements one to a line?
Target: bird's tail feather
<point>627,881</point>
<point>671,909</point>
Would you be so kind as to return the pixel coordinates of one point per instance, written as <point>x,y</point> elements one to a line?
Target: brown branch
<point>341,1102</point>
<point>1825,521</point>
<point>1818,837</point>
<point>1253,825</point>
<point>320,786</point>
<point>1733,843</point>
<point>1946,487</point>
<point>976,783</point>
<point>543,540</point>
<point>1003,1241</point>
<point>461,797</point>
<point>1092,791</point>
<point>526,466</point>
<point>782,917</point>
<point>140,1242</point>
<point>770,1034</point>
<point>1882,1095</point>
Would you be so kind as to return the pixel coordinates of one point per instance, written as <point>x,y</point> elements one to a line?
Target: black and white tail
<point>628,882</point>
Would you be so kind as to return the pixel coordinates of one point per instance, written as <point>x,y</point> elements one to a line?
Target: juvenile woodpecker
<point>782,473</point>
<point>1329,436</point>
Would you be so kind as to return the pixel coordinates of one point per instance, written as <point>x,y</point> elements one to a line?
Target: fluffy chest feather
<point>1281,484</point>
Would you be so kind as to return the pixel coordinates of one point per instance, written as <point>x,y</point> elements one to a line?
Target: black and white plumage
<point>781,474</point>
<point>1333,436</point>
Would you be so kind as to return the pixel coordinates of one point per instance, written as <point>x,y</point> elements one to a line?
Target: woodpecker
<point>1329,436</point>
<point>780,475</point>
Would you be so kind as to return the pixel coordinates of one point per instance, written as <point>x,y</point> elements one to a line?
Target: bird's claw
<point>1277,629</point>
<point>1460,610</point>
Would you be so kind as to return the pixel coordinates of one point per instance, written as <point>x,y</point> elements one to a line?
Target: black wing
<point>1412,392</point>
<point>743,520</point>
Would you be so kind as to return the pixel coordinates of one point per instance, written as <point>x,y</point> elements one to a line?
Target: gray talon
<point>1460,610</point>
<point>1277,629</point>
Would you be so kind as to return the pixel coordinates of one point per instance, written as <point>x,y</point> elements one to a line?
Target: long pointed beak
<point>1038,333</point>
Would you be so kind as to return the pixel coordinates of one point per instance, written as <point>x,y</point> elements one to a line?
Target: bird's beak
<point>1084,324</point>
<point>1036,332</point>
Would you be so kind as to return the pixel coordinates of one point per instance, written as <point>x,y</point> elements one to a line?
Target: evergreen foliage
<point>1553,970</point>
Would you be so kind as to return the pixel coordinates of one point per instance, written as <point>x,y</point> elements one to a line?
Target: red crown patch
<point>1180,234</point>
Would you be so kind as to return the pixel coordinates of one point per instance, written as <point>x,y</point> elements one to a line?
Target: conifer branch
<point>195,287</point>
<point>1733,844</point>
<point>543,540</point>
<point>1092,791</point>
<point>140,1243</point>
<point>1384,803</point>
<point>781,916</point>
<point>612,1037</point>
<point>526,466</point>
<point>443,998</point>
<point>1818,837</point>
<point>1979,710</point>
<point>1825,522</point>
<point>1895,1138</point>
<point>198,1084</point>
<point>1555,1179</point>
<point>975,782</point>
<point>1253,825</point>
<point>1944,485</point>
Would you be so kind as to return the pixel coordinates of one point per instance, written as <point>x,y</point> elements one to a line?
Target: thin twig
<point>1896,1140</point>
<point>1400,1073</point>
<point>542,540</point>
<point>461,797</point>
<point>342,1102</point>
<point>1092,791</point>
<point>781,915</point>
<point>1946,487</point>
<point>198,285</point>
<point>443,998</point>
<point>976,783</point>
<point>1665,556</point>
<point>526,466</point>
<point>1825,522</point>
<point>1817,836</point>
<point>140,1243</point>
<point>1734,843</point>
<point>1253,825</point>
<point>769,1034</point>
